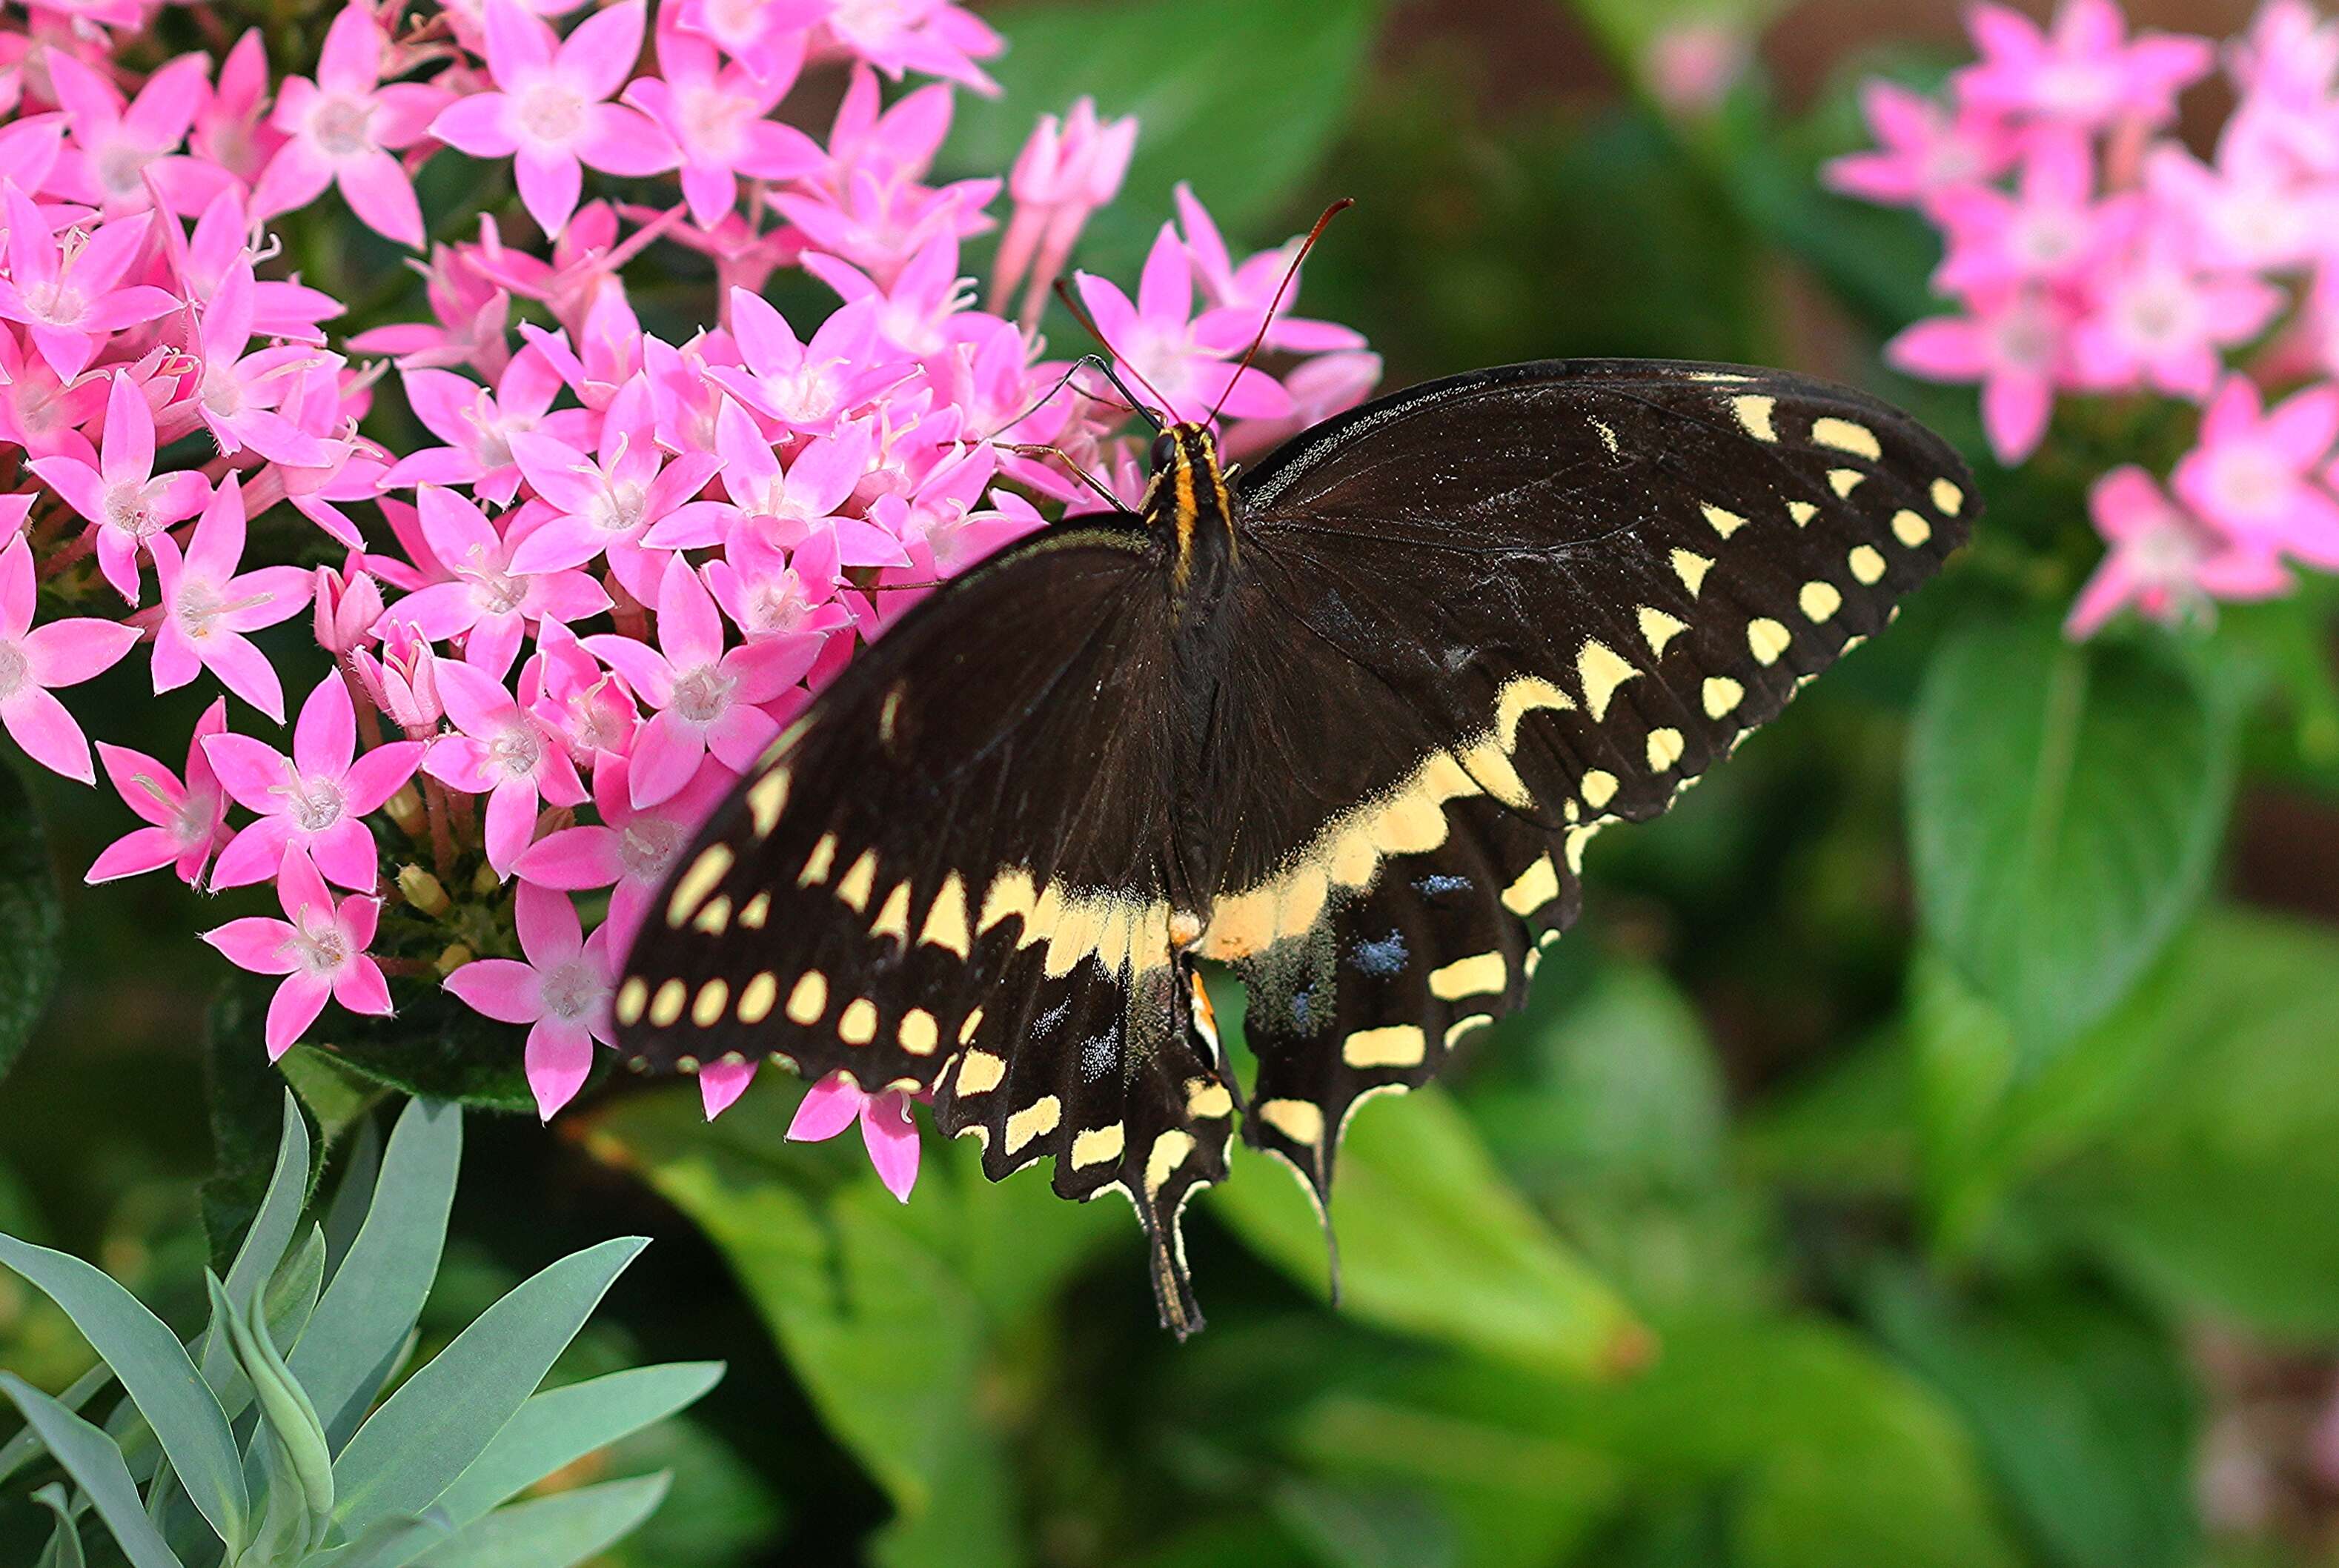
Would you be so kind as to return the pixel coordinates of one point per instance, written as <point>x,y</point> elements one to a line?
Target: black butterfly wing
<point>949,876</point>
<point>1521,604</point>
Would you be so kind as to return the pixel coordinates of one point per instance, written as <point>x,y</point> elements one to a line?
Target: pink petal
<point>347,855</point>
<point>379,192</point>
<point>69,652</point>
<point>254,855</point>
<point>597,56</point>
<point>297,1003</point>
<point>829,1107</point>
<point>378,774</point>
<point>559,1057</point>
<point>891,1140</point>
<point>499,987</point>
<point>360,987</point>
<point>549,929</point>
<point>575,859</point>
<point>140,851</point>
<point>689,631</point>
<point>40,724</point>
<point>721,1083</point>
<point>667,755</point>
<point>244,670</point>
<point>512,821</point>
<point>325,737</point>
<point>253,943</point>
<point>550,186</point>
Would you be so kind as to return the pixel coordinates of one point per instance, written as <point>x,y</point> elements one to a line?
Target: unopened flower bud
<point>424,891</point>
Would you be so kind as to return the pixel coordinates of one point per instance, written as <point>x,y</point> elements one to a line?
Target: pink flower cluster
<point>555,633</point>
<point>2091,254</point>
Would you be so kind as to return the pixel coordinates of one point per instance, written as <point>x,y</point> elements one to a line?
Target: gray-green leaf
<point>561,1425</point>
<point>553,1532</point>
<point>93,1461</point>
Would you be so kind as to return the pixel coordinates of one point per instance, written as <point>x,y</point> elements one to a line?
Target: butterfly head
<point>1188,500</point>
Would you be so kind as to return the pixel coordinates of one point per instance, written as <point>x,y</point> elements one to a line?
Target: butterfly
<point>1345,722</point>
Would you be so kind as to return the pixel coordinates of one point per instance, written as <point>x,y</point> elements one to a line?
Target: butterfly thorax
<point>1189,507</point>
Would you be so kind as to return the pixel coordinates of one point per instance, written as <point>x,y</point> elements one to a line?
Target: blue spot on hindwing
<point>1384,957</point>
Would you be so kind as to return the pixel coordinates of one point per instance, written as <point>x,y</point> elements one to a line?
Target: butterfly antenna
<point>1088,324</point>
<point>1290,274</point>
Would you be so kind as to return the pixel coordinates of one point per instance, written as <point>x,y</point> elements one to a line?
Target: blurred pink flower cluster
<point>555,631</point>
<point>2091,253</point>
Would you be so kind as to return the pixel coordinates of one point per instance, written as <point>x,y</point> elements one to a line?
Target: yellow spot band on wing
<point>1396,1045</point>
<point>1475,976</point>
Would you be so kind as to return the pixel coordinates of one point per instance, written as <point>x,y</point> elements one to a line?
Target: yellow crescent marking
<point>1665,748</point>
<point>758,910</point>
<point>1691,568</point>
<point>1521,698</point>
<point>712,865</point>
<point>1723,695</point>
<point>1910,529</point>
<point>1658,628</point>
<point>1097,1146</point>
<point>853,890</point>
<point>767,800</point>
<point>1819,600</point>
<point>1803,512</point>
<point>817,864</point>
<point>1297,1119</point>
<point>716,918</point>
<point>1475,976</point>
<point>1948,497</point>
<point>1843,481</point>
<point>1207,1101</point>
<point>1847,436</point>
<point>1755,413</point>
<point>1536,886</point>
<point>1162,1161</point>
<point>857,1024</point>
<point>1602,671</point>
<point>1725,521</point>
<point>1867,564</point>
<point>945,925</point>
<point>893,915</point>
<point>980,1073</point>
<point>1767,639</point>
<point>1034,1121</point>
<point>1599,788</point>
<point>1395,1045</point>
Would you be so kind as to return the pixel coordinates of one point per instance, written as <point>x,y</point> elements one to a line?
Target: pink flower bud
<point>348,603</point>
<point>404,681</point>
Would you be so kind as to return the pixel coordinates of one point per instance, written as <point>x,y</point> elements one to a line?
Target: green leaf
<point>553,1532</point>
<point>360,1325</point>
<point>156,1373</point>
<point>90,1457</point>
<point>31,917</point>
<point>290,1419</point>
<point>2214,1186</point>
<point>444,1416</point>
<point>888,1313</point>
<point>26,1447</point>
<point>2083,1409</point>
<point>2066,804</point>
<point>1433,1242</point>
<point>64,1549</point>
<point>276,1214</point>
<point>1241,99</point>
<point>561,1425</point>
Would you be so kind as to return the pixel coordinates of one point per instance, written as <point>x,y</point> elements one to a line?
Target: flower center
<point>572,991</point>
<point>16,670</point>
<point>702,696</point>
<point>2251,483</point>
<point>551,114</point>
<point>778,604</point>
<point>516,751</point>
<point>2027,340</point>
<point>221,391</point>
<point>646,848</point>
<point>618,508</point>
<point>58,303</point>
<point>342,127</point>
<point>120,169</point>
<point>315,803</point>
<point>2160,312</point>
<point>2049,240</point>
<point>319,946</point>
<point>712,119</point>
<point>198,605</point>
<point>498,593</point>
<point>125,508</point>
<point>194,819</point>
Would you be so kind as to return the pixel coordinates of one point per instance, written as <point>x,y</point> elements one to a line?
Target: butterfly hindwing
<point>1525,604</point>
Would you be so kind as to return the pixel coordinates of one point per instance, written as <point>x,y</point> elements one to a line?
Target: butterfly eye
<point>1165,447</point>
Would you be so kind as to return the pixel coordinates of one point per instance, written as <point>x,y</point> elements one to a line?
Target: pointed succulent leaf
<point>429,1433</point>
<point>554,1532</point>
<point>389,1543</point>
<point>93,1461</point>
<point>26,1445</point>
<point>64,1549</point>
<point>284,1406</point>
<point>157,1373</point>
<point>286,1525</point>
<point>292,1297</point>
<point>360,1166</point>
<point>360,1325</point>
<point>561,1425</point>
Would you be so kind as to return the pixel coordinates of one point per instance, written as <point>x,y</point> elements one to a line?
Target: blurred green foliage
<point>1925,1151</point>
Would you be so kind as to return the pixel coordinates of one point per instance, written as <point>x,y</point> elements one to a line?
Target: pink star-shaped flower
<point>715,114</point>
<point>120,148</point>
<point>70,296</point>
<point>315,800</point>
<point>2163,560</point>
<point>490,601</point>
<point>631,849</point>
<point>239,394</point>
<point>2253,473</point>
<point>343,127</point>
<point>2051,230</point>
<point>805,386</point>
<point>2016,343</point>
<point>550,113</point>
<point>2083,73</point>
<point>561,992</point>
<point>504,752</point>
<point>34,662</point>
<point>186,822</point>
<point>2158,321</point>
<point>606,504</point>
<point>477,426</point>
<point>708,699</point>
<point>318,947</point>
<point>1239,296</point>
<point>208,606</point>
<point>780,505</point>
<point>1182,360</point>
<point>122,495</point>
<point>1924,151</point>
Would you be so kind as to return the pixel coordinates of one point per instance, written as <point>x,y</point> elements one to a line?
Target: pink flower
<point>403,683</point>
<point>343,128</point>
<point>805,386</point>
<point>320,948</point>
<point>780,505</point>
<point>1239,296</point>
<point>477,426</point>
<point>551,115</point>
<point>715,114</point>
<point>2253,473</point>
<point>348,603</point>
<point>1068,170</point>
<point>315,800</point>
<point>228,129</point>
<point>239,394</point>
<point>2052,231</point>
<point>631,849</point>
<point>208,606</point>
<point>185,822</point>
<point>707,699</point>
<point>932,36</point>
<point>1926,150</point>
<point>71,296</point>
<point>122,495</point>
<point>504,752</point>
<point>836,1103</point>
<point>489,602</point>
<point>561,993</point>
<point>2159,322</point>
<point>606,505</point>
<point>35,662</point>
<point>2016,344</point>
<point>2166,562</point>
<point>2086,72</point>
<point>121,148</point>
<point>590,708</point>
<point>2251,212</point>
<point>1182,360</point>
